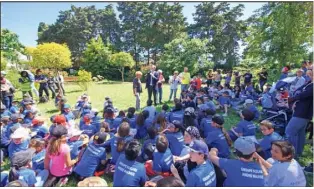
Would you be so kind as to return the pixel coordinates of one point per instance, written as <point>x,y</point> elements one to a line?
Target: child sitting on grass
<point>39,145</point>
<point>20,141</point>
<point>224,102</point>
<point>92,157</point>
<point>175,138</point>
<point>269,136</point>
<point>21,169</point>
<point>76,142</point>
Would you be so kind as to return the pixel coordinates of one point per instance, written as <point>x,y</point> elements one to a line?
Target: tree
<point>3,61</point>
<point>52,55</point>
<point>96,57</point>
<point>122,60</point>
<point>10,45</point>
<point>280,32</point>
<point>185,52</point>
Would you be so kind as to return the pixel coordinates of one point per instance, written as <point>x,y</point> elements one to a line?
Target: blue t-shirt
<point>8,131</point>
<point>38,160</point>
<point>69,116</point>
<point>239,173</point>
<point>40,130</point>
<point>265,143</point>
<point>113,143</point>
<point>202,176</point>
<point>110,122</point>
<point>247,128</point>
<point>283,76</point>
<point>164,114</point>
<point>216,139</point>
<point>228,79</point>
<point>27,175</point>
<point>91,158</point>
<point>152,111</point>
<point>13,148</point>
<point>224,100</point>
<point>176,115</point>
<point>162,161</point>
<point>14,109</point>
<point>129,173</point>
<point>75,147</point>
<point>142,130</point>
<point>116,123</point>
<point>42,77</point>
<point>176,142</point>
<point>28,120</point>
<point>96,121</point>
<point>6,113</point>
<point>253,109</point>
<point>132,121</point>
<point>206,126</point>
<point>89,130</point>
<point>247,77</point>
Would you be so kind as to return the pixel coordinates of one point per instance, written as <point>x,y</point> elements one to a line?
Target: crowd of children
<point>186,145</point>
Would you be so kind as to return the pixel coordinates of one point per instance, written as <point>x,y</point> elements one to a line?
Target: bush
<point>84,79</point>
<point>13,76</point>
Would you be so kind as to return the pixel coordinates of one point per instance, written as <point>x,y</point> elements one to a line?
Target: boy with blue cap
<point>241,172</point>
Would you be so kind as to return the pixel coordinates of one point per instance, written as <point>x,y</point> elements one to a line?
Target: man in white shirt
<point>298,82</point>
<point>61,82</point>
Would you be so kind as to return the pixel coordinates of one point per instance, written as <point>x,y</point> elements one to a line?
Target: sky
<point>23,18</point>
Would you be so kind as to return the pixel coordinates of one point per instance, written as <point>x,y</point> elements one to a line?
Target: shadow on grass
<point>73,91</point>
<point>108,82</point>
<point>52,111</point>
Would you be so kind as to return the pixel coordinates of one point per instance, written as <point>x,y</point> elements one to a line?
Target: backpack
<point>43,99</point>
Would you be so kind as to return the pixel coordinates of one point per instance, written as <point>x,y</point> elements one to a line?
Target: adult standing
<point>161,79</point>
<point>151,81</point>
<point>27,82</point>
<point>247,77</point>
<point>263,78</point>
<point>52,84</point>
<point>137,89</point>
<point>43,85</point>
<point>209,77</point>
<point>174,81</point>
<point>237,78</point>
<point>303,113</point>
<point>185,79</point>
<point>60,82</point>
<point>7,90</point>
<point>217,78</point>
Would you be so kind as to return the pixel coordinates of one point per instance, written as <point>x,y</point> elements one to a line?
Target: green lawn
<point>122,96</point>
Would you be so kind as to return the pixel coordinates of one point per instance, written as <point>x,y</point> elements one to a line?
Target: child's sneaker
<point>62,182</point>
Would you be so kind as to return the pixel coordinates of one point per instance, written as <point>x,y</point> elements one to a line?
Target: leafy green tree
<point>185,52</point>
<point>280,33</point>
<point>96,57</point>
<point>122,60</point>
<point>3,61</point>
<point>51,55</point>
<point>10,45</point>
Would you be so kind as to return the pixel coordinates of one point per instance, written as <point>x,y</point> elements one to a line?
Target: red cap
<point>284,69</point>
<point>60,119</point>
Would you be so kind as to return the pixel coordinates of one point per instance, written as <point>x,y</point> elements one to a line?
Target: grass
<point>122,96</point>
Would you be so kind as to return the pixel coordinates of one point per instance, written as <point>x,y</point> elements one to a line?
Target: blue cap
<point>244,145</point>
<point>67,106</point>
<point>16,116</point>
<point>199,146</point>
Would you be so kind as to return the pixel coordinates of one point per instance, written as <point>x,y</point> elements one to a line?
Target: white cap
<point>160,71</point>
<point>74,132</point>
<point>19,133</point>
<point>248,101</point>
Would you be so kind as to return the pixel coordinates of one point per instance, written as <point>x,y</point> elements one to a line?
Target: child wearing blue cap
<point>68,113</point>
<point>203,175</point>
<point>177,113</point>
<point>242,172</point>
<point>175,138</point>
<point>87,127</point>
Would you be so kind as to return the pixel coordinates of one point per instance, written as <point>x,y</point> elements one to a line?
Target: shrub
<point>13,76</point>
<point>84,79</point>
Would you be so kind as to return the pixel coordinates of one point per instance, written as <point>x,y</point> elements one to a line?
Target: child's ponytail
<point>224,132</point>
<point>54,146</point>
<point>13,175</point>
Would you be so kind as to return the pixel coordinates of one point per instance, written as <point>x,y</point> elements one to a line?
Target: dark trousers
<point>152,90</point>
<point>7,101</point>
<point>261,85</point>
<point>43,88</point>
<point>53,91</point>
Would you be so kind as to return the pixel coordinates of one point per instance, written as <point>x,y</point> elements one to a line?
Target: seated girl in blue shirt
<point>128,171</point>
<point>109,116</point>
<point>219,138</point>
<point>87,127</point>
<point>189,118</point>
<point>92,157</point>
<point>206,123</point>
<point>245,127</point>
<point>39,145</point>
<point>162,158</point>
<point>224,102</point>
<point>175,138</point>
<point>177,113</point>
<point>142,123</point>
<point>21,169</point>
<point>76,141</point>
<point>117,143</point>
<point>160,123</point>
<point>68,113</point>
<point>269,136</point>
<point>131,117</point>
<point>117,121</point>
<point>146,153</point>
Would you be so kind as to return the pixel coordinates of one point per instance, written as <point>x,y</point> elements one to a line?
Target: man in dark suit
<point>151,80</point>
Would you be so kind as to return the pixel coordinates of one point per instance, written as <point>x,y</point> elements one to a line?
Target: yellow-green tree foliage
<point>122,60</point>
<point>3,61</point>
<point>51,55</point>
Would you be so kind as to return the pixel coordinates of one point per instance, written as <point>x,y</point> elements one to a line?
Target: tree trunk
<point>122,73</point>
<point>148,56</point>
